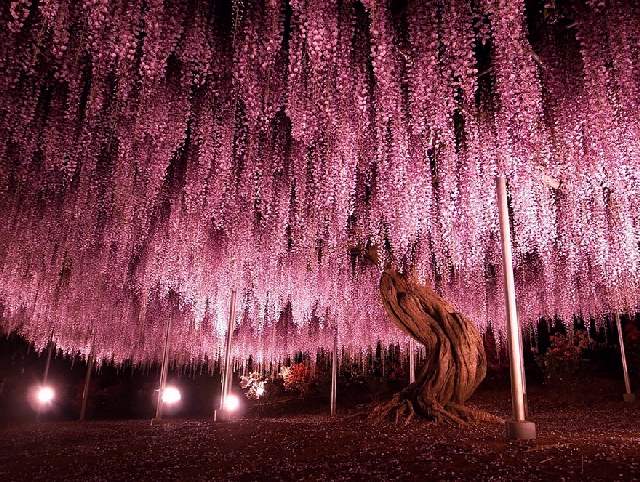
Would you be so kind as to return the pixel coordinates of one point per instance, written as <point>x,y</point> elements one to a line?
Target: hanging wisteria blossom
<point>155,154</point>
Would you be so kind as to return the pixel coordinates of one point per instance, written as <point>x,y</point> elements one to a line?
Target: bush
<point>297,378</point>
<point>254,384</point>
<point>563,358</point>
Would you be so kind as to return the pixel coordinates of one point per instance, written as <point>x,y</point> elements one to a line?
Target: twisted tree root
<point>456,363</point>
<point>400,408</point>
<point>474,414</point>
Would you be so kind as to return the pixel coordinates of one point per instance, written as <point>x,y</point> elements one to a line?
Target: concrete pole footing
<point>520,430</point>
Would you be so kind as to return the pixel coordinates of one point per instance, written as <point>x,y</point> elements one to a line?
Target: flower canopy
<point>155,154</point>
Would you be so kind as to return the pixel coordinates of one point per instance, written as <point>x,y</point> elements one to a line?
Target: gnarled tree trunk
<point>456,361</point>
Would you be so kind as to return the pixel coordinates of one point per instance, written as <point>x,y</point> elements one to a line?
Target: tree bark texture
<point>456,361</point>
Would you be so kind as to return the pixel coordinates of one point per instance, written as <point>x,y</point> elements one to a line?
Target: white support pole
<point>518,428</point>
<point>412,360</point>
<point>48,363</point>
<point>163,370</point>
<point>628,395</point>
<point>227,375</point>
<point>334,374</point>
<point>87,380</point>
<point>45,377</point>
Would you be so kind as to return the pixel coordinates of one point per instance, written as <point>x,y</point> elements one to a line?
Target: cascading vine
<point>156,153</point>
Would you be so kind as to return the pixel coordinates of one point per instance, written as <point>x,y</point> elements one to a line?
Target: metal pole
<point>48,363</point>
<point>334,374</point>
<point>85,392</point>
<point>228,370</point>
<point>628,396</point>
<point>46,369</point>
<point>518,428</point>
<point>412,360</point>
<point>163,370</point>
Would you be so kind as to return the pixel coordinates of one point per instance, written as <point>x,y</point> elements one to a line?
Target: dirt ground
<point>591,436</point>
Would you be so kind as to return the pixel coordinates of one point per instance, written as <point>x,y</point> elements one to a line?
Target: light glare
<point>231,403</point>
<point>171,395</point>
<point>45,395</point>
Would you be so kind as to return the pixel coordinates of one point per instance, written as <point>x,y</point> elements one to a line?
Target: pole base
<point>520,430</point>
<point>629,397</point>
<point>223,416</point>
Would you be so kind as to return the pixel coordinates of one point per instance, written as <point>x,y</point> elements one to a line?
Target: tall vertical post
<point>412,360</point>
<point>163,370</point>
<point>334,373</point>
<point>227,375</point>
<point>48,362</point>
<point>45,377</point>
<point>628,395</point>
<point>87,380</point>
<point>518,428</point>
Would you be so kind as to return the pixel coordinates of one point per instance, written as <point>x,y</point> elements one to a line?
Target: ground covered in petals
<point>590,437</point>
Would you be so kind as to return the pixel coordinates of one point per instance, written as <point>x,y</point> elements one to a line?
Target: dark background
<point>126,391</point>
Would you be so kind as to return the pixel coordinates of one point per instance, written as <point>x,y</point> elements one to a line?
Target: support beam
<point>163,370</point>
<point>518,428</point>
<point>628,396</point>
<point>48,363</point>
<point>227,375</point>
<point>334,374</point>
<point>45,377</point>
<point>412,360</point>
<point>87,380</point>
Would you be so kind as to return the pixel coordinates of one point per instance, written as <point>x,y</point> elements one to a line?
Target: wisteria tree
<point>155,154</point>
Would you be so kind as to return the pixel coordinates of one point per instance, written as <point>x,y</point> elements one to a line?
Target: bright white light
<point>45,395</point>
<point>259,391</point>
<point>231,403</point>
<point>171,395</point>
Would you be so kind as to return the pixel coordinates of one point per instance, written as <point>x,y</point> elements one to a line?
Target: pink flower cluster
<point>155,154</point>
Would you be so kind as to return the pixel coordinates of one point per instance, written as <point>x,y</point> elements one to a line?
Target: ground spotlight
<point>231,403</point>
<point>171,395</point>
<point>45,395</point>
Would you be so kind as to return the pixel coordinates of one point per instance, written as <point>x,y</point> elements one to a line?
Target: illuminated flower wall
<point>155,154</point>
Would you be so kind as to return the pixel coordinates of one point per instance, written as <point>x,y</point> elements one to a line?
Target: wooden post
<point>628,396</point>
<point>518,428</point>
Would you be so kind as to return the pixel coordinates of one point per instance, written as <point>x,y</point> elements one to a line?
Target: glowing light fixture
<point>45,395</point>
<point>231,403</point>
<point>171,395</point>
